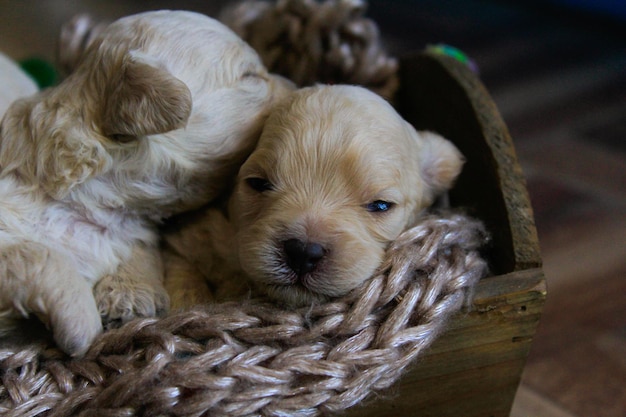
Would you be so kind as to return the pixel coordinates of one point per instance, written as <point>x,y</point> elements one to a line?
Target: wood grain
<point>474,369</point>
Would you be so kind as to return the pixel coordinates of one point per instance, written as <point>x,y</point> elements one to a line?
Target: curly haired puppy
<point>336,176</point>
<point>159,113</point>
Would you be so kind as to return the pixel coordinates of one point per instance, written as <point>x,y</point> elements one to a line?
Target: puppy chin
<point>335,276</point>
<point>274,279</point>
<point>292,295</point>
<point>293,291</point>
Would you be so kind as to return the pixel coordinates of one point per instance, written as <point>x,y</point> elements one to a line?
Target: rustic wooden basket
<point>474,368</point>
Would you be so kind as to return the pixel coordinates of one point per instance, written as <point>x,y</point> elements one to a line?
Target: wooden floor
<point>560,82</point>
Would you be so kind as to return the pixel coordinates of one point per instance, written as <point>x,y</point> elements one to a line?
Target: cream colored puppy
<point>156,118</point>
<point>336,176</point>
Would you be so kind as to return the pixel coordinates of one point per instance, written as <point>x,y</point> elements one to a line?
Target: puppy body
<point>52,254</point>
<point>158,115</point>
<point>336,176</point>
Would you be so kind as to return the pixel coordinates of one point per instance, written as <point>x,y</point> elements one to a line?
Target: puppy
<point>158,115</point>
<point>336,176</point>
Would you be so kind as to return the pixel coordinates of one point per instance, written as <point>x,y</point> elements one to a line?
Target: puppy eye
<point>251,75</point>
<point>379,206</point>
<point>259,184</point>
<point>122,138</point>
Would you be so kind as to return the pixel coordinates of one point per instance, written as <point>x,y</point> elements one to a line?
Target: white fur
<point>157,117</point>
<point>14,83</point>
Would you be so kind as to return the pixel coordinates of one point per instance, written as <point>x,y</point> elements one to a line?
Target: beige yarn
<point>309,41</point>
<point>254,358</point>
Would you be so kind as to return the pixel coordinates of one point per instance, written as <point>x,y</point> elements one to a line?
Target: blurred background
<point>557,71</point>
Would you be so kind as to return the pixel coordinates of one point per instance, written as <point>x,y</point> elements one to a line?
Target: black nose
<point>302,257</point>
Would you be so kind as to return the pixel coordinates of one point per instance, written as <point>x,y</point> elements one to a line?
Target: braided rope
<point>309,42</point>
<point>253,358</point>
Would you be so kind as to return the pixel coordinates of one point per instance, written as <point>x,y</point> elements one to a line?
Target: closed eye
<point>259,184</point>
<point>379,206</point>
<point>253,75</point>
<point>120,138</point>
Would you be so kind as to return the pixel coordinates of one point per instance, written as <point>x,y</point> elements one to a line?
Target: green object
<point>40,70</point>
<point>455,53</point>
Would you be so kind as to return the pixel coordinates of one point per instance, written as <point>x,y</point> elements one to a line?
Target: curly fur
<point>159,113</point>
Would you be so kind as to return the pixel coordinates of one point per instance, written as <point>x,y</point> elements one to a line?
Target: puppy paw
<point>120,300</point>
<point>72,316</point>
<point>37,280</point>
<point>75,329</point>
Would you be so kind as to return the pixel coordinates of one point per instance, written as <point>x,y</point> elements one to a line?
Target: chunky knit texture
<point>253,358</point>
<point>317,42</point>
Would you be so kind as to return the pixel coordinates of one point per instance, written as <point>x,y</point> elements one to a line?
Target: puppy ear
<point>67,159</point>
<point>43,144</point>
<point>440,162</point>
<point>145,99</point>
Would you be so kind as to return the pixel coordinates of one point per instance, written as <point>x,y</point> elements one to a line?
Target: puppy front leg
<point>36,279</point>
<point>135,290</point>
<point>185,284</point>
<point>200,261</point>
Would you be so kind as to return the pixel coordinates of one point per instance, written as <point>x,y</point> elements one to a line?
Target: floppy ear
<point>43,144</point>
<point>440,162</point>
<point>145,99</point>
<point>67,158</point>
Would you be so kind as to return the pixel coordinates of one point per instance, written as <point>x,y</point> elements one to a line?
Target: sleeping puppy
<point>336,176</point>
<point>156,118</point>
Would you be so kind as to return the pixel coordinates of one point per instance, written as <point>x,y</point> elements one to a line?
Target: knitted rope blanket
<point>310,42</point>
<point>253,358</point>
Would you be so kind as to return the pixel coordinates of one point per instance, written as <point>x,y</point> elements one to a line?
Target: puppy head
<point>162,107</point>
<point>230,95</point>
<point>336,176</point>
<point>60,142</point>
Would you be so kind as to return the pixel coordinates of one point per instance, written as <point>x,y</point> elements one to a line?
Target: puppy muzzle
<point>303,257</point>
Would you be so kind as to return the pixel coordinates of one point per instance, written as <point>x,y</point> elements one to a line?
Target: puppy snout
<point>303,257</point>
